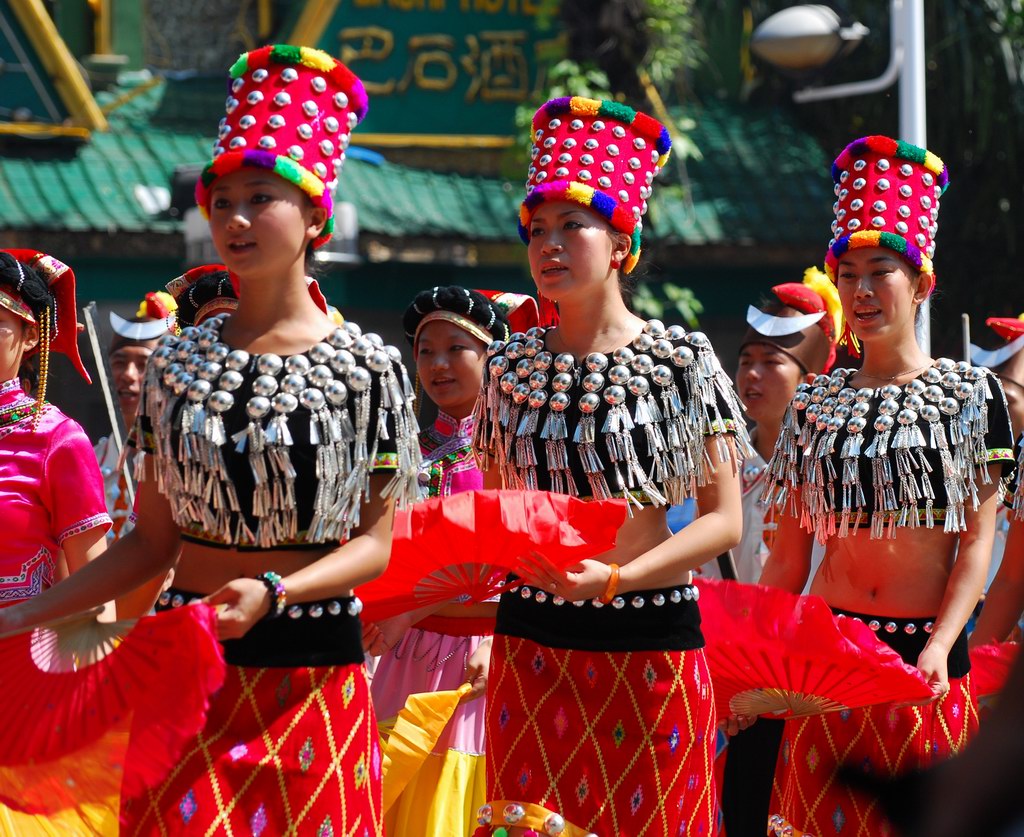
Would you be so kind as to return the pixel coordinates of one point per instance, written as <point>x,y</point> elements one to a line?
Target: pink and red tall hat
<point>599,154</point>
<point>887,195</point>
<point>290,110</point>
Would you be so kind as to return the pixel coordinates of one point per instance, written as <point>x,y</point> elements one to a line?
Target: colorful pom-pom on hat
<point>153,318</point>
<point>290,110</point>
<point>887,195</point>
<point>599,154</point>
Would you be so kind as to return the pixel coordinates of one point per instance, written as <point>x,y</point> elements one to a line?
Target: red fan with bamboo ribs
<point>771,652</point>
<point>462,547</point>
<point>78,694</point>
<point>990,666</point>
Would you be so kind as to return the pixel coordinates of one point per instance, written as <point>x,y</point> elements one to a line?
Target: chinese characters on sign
<point>441,66</point>
<point>494,63</point>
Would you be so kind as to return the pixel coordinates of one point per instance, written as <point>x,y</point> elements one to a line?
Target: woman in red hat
<point>895,468</point>
<point>600,717</point>
<point>51,492</point>
<point>277,444</point>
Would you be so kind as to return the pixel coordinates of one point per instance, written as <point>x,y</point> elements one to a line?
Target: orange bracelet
<point>613,585</point>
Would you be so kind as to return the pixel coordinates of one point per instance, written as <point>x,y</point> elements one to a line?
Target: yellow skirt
<point>98,820</point>
<point>441,800</point>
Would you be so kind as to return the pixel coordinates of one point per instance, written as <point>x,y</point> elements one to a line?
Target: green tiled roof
<point>759,180</point>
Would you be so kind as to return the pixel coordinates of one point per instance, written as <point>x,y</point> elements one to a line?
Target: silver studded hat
<point>290,110</point>
<point>602,155</point>
<point>887,195</point>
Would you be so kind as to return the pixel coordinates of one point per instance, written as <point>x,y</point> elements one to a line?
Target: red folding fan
<point>771,652</point>
<point>85,687</point>
<point>990,666</point>
<point>462,547</point>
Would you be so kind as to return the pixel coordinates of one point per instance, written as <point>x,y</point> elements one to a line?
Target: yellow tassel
<point>823,286</point>
<point>44,366</point>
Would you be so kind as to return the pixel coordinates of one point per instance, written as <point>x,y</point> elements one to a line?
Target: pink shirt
<point>50,490</point>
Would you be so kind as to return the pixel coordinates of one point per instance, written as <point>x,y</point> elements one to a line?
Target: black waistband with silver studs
<point>908,637</point>
<point>320,633</point>
<point>665,619</point>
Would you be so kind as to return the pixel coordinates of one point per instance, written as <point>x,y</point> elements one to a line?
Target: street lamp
<point>810,36</point>
<point>804,38</point>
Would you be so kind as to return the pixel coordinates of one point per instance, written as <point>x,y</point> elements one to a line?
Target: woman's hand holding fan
<point>462,547</point>
<point>771,652</point>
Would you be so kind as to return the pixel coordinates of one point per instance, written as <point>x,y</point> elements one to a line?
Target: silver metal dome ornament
<point>611,394</point>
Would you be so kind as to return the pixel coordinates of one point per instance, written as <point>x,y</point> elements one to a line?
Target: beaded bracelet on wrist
<point>278,595</point>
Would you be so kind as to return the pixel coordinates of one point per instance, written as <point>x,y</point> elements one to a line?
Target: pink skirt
<point>424,661</point>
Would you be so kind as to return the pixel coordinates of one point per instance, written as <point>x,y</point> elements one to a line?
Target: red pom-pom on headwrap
<point>1009,328</point>
<point>156,308</point>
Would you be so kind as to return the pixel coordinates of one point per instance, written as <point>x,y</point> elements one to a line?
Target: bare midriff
<point>646,529</point>
<point>905,576</point>
<point>205,569</point>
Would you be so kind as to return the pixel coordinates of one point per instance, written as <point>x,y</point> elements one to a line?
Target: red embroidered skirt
<point>284,751</point>
<point>884,740</point>
<point>619,743</point>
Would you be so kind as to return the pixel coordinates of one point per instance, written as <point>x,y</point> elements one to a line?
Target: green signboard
<point>438,69</point>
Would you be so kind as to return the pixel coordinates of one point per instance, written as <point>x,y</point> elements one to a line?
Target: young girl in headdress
<point>438,649</point>
<point>277,444</point>
<point>895,468</point>
<point>600,715</point>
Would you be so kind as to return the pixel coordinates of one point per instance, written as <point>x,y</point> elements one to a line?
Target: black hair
<point>27,285</point>
<point>209,287</point>
<point>467,303</point>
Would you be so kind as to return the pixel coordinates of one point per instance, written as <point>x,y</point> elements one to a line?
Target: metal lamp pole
<point>912,107</point>
<point>906,62</point>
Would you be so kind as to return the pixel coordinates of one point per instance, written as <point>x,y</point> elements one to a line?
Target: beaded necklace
<point>950,398</point>
<point>19,410</point>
